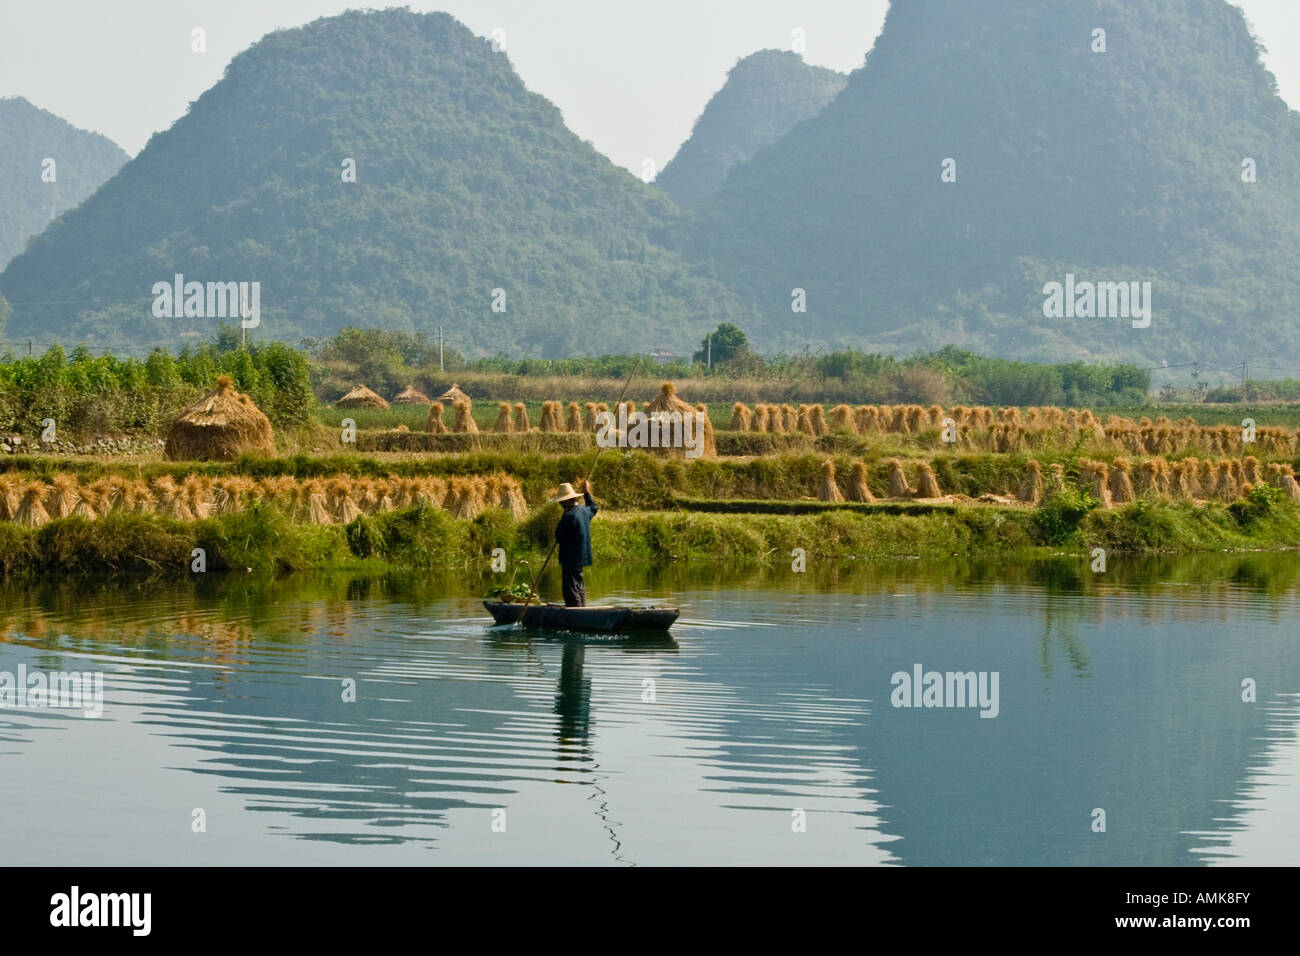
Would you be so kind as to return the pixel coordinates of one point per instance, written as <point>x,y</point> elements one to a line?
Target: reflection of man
<point>573,535</point>
<point>573,697</point>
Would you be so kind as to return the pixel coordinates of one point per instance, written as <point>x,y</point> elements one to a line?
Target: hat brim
<point>576,494</point>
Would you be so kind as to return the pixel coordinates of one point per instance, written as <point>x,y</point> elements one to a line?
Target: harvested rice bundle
<point>431,492</point>
<point>842,419</point>
<point>229,494</point>
<point>927,484</point>
<point>829,490</point>
<point>774,422</point>
<point>341,503</point>
<point>387,492</point>
<point>1055,477</point>
<point>1095,476</point>
<point>1287,482</point>
<point>740,418</point>
<point>435,425</point>
<point>936,416</point>
<point>465,498</point>
<point>898,420</point>
<point>510,496</point>
<point>867,418</point>
<point>859,488</point>
<point>311,504</point>
<point>789,419</point>
<point>804,423</point>
<point>710,446</point>
<point>1207,477</point>
<point>94,498</point>
<point>1121,482</point>
<point>916,419</point>
<point>167,500</point>
<point>464,423</point>
<point>1031,486</point>
<point>1182,477</point>
<point>521,417</point>
<point>365,493</point>
<point>1034,419</point>
<point>589,417</point>
<point>898,486</point>
<point>755,420</point>
<point>62,497</point>
<point>504,424</point>
<point>31,511</point>
<point>573,421</point>
<point>11,494</point>
<point>1225,483</point>
<point>196,492</point>
<point>551,417</point>
<point>1147,482</point>
<point>985,416</point>
<point>817,416</point>
<point>1250,470</point>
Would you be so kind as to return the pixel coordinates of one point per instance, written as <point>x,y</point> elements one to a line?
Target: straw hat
<point>564,493</point>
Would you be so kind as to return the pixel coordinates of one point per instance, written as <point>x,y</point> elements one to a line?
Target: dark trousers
<point>574,588</point>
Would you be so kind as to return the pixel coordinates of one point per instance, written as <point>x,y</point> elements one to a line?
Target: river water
<point>762,730</point>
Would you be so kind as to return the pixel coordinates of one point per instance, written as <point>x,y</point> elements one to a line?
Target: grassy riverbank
<point>264,541</point>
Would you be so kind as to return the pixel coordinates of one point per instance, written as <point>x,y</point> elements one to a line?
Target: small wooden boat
<point>605,619</point>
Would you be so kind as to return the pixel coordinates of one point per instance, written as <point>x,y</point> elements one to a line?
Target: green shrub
<point>1056,521</point>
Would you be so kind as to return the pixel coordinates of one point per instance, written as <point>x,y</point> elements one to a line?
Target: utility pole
<point>29,348</point>
<point>1243,373</point>
<point>708,344</point>
<point>440,367</point>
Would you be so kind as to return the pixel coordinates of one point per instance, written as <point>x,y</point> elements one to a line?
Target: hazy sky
<point>631,77</point>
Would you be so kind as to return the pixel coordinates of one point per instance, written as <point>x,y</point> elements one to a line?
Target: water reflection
<point>761,733</point>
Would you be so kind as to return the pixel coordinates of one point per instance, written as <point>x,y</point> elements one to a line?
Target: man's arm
<point>588,500</point>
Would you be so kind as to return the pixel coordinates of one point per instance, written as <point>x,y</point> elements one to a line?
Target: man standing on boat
<point>573,535</point>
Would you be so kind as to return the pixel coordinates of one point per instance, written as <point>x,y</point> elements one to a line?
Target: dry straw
<point>859,489</point>
<point>464,419</point>
<point>1031,486</point>
<point>829,490</point>
<point>434,425</point>
<point>504,424</point>
<point>222,425</point>
<point>361,397</point>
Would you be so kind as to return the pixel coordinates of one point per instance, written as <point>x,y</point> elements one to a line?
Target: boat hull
<point>607,620</point>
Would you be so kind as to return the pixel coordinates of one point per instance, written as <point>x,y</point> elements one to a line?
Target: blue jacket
<point>573,534</point>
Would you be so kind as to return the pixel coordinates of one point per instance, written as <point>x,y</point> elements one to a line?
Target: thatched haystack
<point>464,420</point>
<point>10,495</point>
<point>740,418</point>
<point>1095,476</point>
<point>220,426</point>
<point>452,396</point>
<point>817,416</point>
<point>361,397</point>
<point>789,419</point>
<point>504,424</point>
<point>573,422</point>
<point>521,417</point>
<point>1287,482</point>
<point>829,490</point>
<point>411,396</point>
<point>434,425</point>
<point>589,411</point>
<point>859,489</point>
